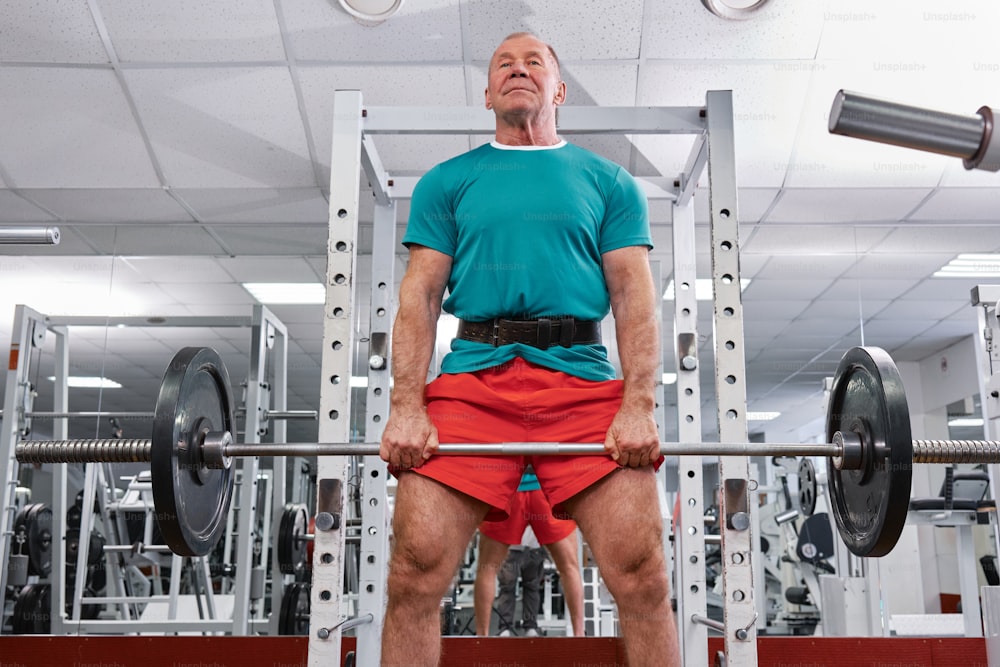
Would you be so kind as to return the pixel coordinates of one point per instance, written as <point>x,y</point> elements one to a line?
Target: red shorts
<point>528,508</point>
<point>520,402</point>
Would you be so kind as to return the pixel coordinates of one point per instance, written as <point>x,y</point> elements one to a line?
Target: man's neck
<point>527,134</point>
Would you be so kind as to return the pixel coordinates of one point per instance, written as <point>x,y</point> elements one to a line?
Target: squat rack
<point>354,152</point>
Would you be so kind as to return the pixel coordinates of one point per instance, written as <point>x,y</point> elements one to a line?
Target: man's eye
<point>504,64</point>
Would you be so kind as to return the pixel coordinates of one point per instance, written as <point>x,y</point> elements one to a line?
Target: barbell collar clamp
<point>851,451</point>
<point>213,449</point>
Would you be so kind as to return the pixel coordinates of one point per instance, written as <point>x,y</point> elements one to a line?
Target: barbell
<point>191,450</point>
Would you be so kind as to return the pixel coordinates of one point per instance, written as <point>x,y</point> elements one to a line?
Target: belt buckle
<point>495,338</point>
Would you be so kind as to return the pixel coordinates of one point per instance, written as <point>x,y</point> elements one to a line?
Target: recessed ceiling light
<point>966,421</point>
<point>85,382</point>
<point>287,293</point>
<point>971,265</point>
<point>371,11</point>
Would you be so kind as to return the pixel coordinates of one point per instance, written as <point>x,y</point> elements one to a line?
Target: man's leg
<point>532,571</point>
<point>491,556</point>
<point>432,525</point>
<point>507,581</point>
<point>564,555</point>
<point>620,519</point>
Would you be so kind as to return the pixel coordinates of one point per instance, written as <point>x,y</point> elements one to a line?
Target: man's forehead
<point>520,46</point>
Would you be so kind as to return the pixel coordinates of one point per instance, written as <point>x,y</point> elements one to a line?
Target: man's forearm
<point>638,336</point>
<point>413,338</point>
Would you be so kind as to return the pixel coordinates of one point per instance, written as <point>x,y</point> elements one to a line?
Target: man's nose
<point>518,69</point>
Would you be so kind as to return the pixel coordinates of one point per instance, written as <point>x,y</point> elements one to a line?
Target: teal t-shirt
<point>526,228</point>
<point>529,482</point>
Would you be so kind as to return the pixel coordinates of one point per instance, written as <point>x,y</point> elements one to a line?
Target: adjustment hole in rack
<point>342,213</point>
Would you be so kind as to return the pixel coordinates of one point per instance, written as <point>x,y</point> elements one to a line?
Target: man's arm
<point>409,436</point>
<point>632,437</point>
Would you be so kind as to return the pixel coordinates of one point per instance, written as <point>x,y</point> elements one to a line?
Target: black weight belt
<point>542,333</point>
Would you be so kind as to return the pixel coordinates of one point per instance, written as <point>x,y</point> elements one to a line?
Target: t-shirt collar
<point>505,147</point>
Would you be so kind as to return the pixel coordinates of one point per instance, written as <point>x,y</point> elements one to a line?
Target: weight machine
<point>265,400</point>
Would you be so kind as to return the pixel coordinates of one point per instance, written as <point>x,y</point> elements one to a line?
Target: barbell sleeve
<point>140,450</point>
<point>887,122</point>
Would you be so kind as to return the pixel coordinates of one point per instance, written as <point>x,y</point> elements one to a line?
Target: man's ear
<point>560,93</point>
<point>489,102</point>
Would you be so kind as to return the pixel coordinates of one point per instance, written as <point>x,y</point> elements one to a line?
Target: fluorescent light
<point>971,265</point>
<point>702,289</point>
<point>669,378</point>
<point>762,416</point>
<point>288,293</point>
<point>966,421</point>
<point>359,381</point>
<point>84,382</point>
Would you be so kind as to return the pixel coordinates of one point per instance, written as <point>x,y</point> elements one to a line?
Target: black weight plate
<point>815,541</point>
<point>38,522</point>
<point>807,487</point>
<point>32,612</point>
<point>870,504</point>
<point>24,603</point>
<point>293,618</point>
<point>192,501</point>
<point>291,542</point>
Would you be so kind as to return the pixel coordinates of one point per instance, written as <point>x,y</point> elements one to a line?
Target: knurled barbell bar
<point>868,444</point>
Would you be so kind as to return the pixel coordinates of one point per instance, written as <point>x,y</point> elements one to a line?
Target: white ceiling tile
<point>111,205</point>
<point>70,128</point>
<point>779,31</point>
<point>428,30</point>
<point>952,237</point>
<point>224,127</point>
<point>275,239</point>
<point>949,204</point>
<point>600,84</point>
<point>266,205</point>
<point>804,205</point>
<point>208,293</point>
<point>49,32</point>
<point>807,241</point>
<point>956,290</point>
<point>912,266</point>
<point>868,289</point>
<point>805,267</point>
<point>180,239</point>
<point>200,270</point>
<point>912,31</point>
<point>268,269</point>
<point>851,311</point>
<point>19,207</point>
<point>803,286</point>
<point>588,31</point>
<point>767,103</point>
<point>776,309</point>
<point>193,31</point>
<point>381,86</point>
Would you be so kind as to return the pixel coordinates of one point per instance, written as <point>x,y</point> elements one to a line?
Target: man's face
<point>523,78</point>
